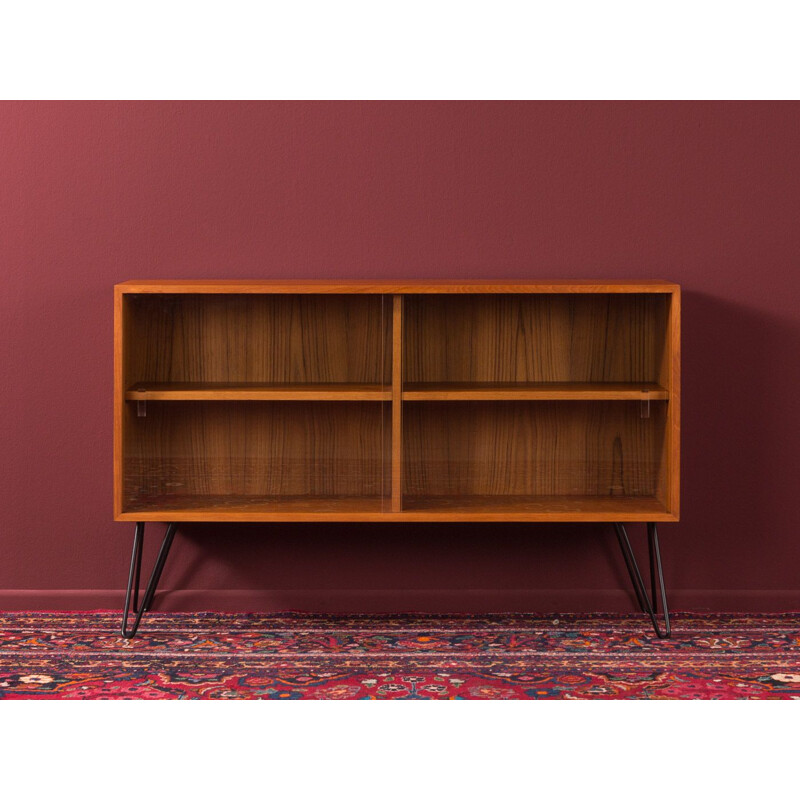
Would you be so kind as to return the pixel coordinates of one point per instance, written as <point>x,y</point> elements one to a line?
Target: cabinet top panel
<point>395,287</point>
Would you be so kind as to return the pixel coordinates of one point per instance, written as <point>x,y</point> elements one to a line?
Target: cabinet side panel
<point>119,336</point>
<point>669,377</point>
<point>675,404</point>
<point>664,361</point>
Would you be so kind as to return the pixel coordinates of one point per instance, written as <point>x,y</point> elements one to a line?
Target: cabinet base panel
<point>508,508</point>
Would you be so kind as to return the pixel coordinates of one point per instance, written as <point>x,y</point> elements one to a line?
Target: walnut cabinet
<point>379,401</point>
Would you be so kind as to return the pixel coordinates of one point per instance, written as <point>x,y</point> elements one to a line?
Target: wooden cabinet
<point>256,401</point>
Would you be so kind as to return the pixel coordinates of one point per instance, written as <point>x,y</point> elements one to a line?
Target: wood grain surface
<point>528,449</point>
<point>417,509</point>
<point>475,286</point>
<point>258,391</point>
<point>466,401</point>
<point>537,338</point>
<point>257,338</point>
<point>218,449</point>
<point>534,391</point>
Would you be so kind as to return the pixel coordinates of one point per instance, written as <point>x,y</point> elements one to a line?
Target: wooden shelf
<point>412,391</point>
<point>244,508</point>
<point>534,391</point>
<point>560,508</point>
<point>509,508</point>
<point>258,391</point>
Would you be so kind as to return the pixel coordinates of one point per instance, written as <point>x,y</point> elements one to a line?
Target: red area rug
<point>302,656</point>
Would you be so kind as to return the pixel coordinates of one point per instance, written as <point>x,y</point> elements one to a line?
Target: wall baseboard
<point>397,601</point>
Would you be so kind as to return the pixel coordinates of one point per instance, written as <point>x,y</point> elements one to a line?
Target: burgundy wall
<point>705,194</point>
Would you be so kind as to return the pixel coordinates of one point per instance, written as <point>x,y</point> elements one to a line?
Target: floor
<point>304,656</point>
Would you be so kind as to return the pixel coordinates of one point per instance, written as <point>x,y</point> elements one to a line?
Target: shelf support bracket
<point>647,603</point>
<point>132,594</point>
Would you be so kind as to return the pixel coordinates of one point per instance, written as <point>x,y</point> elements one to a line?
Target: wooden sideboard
<point>397,401</point>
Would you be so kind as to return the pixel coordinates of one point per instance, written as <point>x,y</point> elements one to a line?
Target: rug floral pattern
<point>425,657</point>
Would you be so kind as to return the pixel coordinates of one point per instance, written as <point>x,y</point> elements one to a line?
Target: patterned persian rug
<point>304,656</point>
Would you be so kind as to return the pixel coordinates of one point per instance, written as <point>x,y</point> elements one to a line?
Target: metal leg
<point>632,566</point>
<point>648,605</point>
<point>651,556</point>
<point>138,533</point>
<point>655,557</point>
<point>133,577</point>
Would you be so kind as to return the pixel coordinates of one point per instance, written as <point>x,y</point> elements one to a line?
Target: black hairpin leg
<point>135,572</point>
<point>648,604</point>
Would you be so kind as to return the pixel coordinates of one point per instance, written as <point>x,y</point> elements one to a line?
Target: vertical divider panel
<point>397,403</point>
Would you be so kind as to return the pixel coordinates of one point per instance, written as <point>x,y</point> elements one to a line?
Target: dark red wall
<point>705,194</point>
